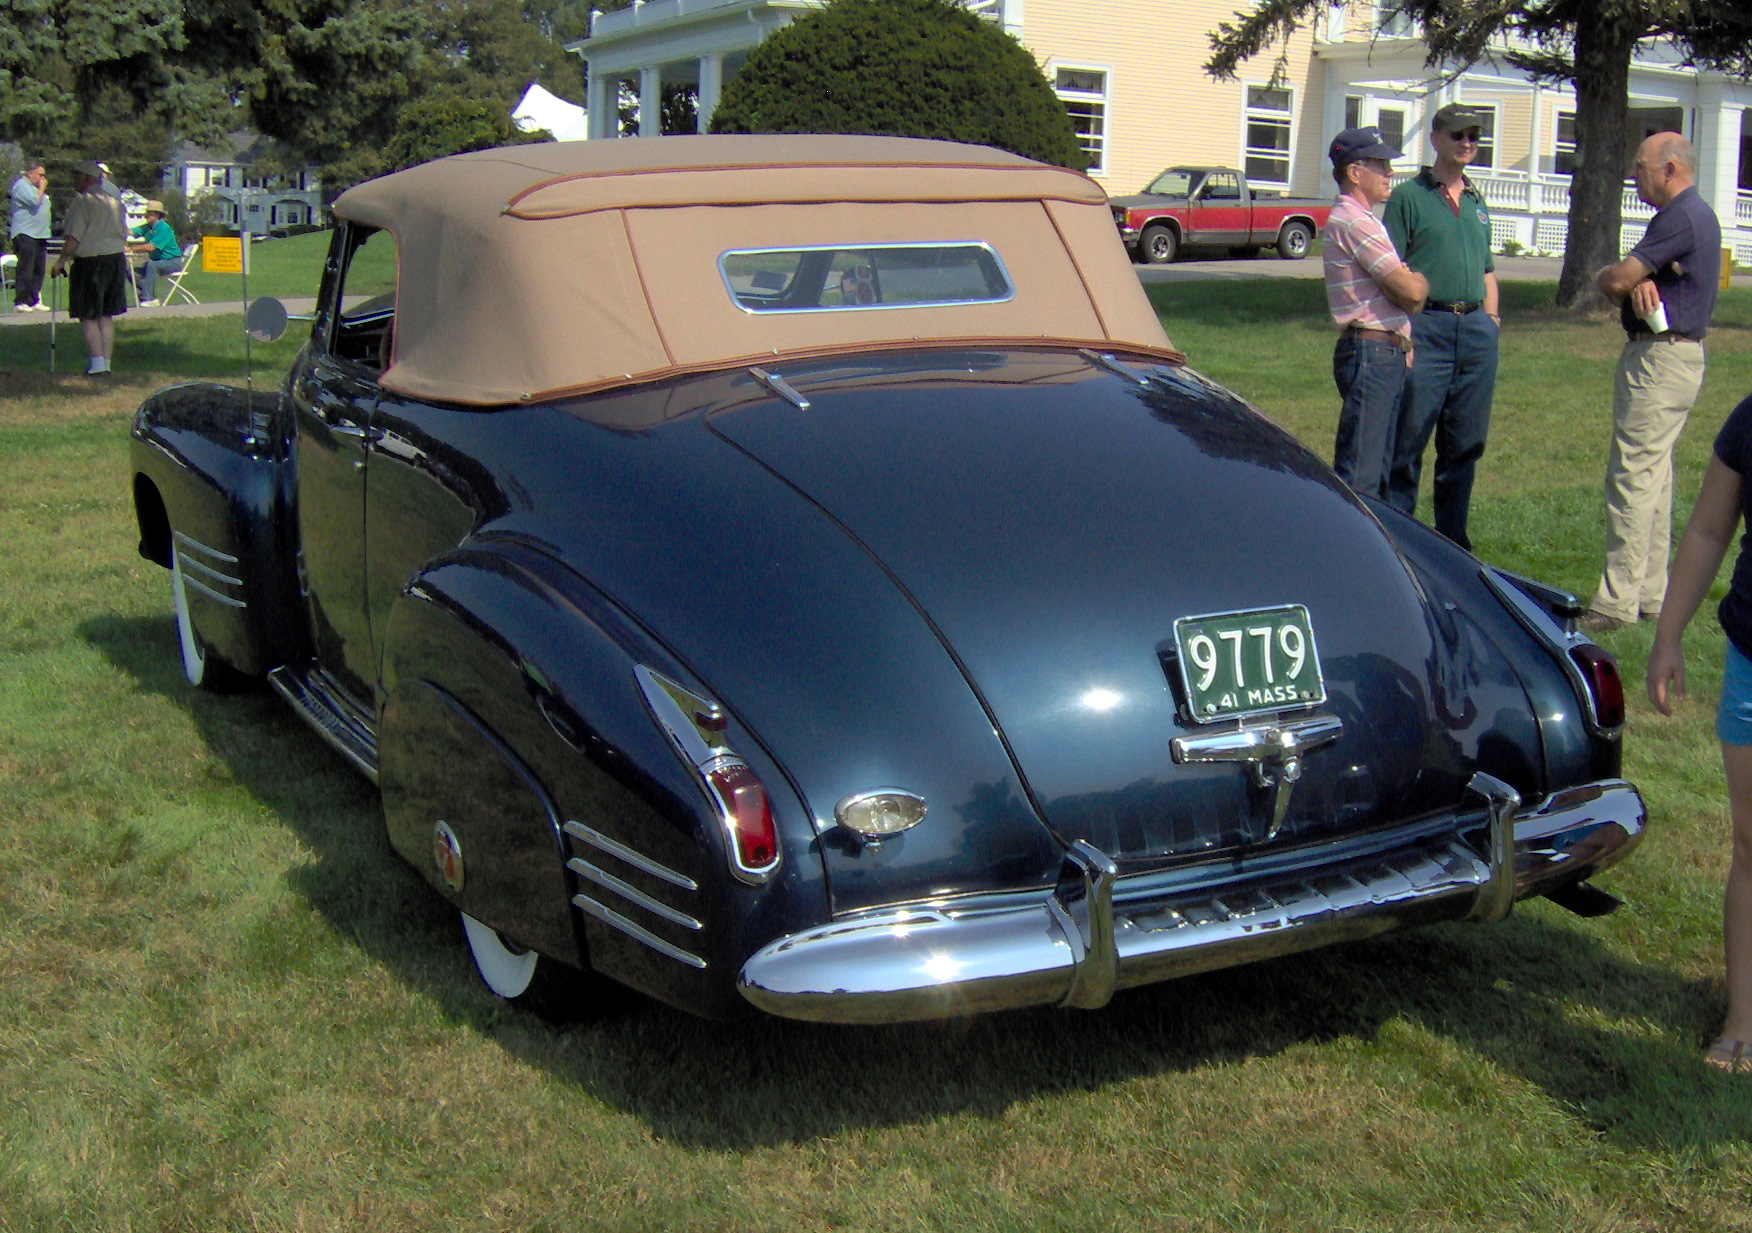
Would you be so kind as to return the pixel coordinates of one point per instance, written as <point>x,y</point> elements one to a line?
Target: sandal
<point>1732,1056</point>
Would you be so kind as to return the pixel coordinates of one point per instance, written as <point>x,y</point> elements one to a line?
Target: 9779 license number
<point>1242,663</point>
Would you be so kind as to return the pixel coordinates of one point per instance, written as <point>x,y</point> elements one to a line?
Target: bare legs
<point>1737,904</point>
<point>100,341</point>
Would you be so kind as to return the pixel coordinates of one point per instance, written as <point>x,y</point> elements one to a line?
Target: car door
<point>1219,213</point>
<point>333,399</point>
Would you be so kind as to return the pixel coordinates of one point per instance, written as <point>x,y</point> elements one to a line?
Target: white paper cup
<point>1657,320</point>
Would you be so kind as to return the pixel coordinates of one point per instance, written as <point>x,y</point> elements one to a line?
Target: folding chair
<point>173,282</point>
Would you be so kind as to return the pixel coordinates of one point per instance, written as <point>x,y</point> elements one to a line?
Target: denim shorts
<point>1734,716</point>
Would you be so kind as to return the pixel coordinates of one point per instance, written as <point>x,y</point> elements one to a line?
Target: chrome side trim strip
<point>195,584</point>
<point>610,917</point>
<point>195,545</point>
<point>638,860</point>
<point>191,563</point>
<point>608,881</point>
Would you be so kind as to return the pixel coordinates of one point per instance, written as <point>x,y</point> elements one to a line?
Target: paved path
<point>1519,269</point>
<point>216,309</point>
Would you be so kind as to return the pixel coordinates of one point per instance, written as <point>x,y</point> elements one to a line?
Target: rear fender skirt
<point>1569,752</point>
<point>546,665</point>
<point>209,477</point>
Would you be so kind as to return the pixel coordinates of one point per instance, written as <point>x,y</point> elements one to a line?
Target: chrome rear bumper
<point>1097,933</point>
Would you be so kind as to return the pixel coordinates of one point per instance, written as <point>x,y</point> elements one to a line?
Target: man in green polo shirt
<point>1441,227</point>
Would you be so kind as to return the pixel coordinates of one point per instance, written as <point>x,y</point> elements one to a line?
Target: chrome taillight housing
<point>1605,687</point>
<point>696,725</point>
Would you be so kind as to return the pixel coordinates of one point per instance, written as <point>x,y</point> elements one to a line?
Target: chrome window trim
<point>736,300</point>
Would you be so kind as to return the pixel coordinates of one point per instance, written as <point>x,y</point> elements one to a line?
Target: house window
<point>1746,162</point>
<point>1267,154</point>
<point>1391,122</point>
<point>1393,25</point>
<point>1487,114</point>
<point>1353,111</point>
<point>1084,95</point>
<point>1563,147</point>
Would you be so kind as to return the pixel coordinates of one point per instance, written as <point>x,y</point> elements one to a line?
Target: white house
<point>1130,74</point>
<point>249,199</point>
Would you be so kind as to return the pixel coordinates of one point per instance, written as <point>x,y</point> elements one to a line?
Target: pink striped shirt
<point>1358,254</point>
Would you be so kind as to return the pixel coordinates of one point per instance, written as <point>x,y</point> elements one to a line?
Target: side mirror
<point>266,319</point>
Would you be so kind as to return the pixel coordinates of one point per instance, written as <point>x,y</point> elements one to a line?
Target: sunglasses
<point>1471,135</point>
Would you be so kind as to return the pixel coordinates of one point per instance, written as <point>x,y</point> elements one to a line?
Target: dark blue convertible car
<point>800,572</point>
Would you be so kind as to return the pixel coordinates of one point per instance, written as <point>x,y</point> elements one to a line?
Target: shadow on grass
<point>1538,999</point>
<point>209,348</point>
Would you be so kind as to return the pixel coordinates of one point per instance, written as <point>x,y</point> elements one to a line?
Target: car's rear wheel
<point>523,977</point>
<point>201,665</point>
<point>1295,241</point>
<point>1159,244</point>
<point>508,969</point>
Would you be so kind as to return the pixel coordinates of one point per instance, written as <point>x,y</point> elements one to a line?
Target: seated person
<point>163,253</point>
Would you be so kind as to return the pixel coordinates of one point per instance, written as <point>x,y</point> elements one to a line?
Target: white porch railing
<point>1743,209</point>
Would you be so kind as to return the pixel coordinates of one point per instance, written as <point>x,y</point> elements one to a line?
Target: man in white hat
<point>93,243</point>
<point>163,254</point>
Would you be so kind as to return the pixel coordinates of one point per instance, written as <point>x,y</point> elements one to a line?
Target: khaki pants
<point>1656,383</point>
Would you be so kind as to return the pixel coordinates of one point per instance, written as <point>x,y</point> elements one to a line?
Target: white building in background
<point>1129,73</point>
<point>248,199</point>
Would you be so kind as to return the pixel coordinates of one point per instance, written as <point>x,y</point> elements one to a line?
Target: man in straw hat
<point>163,254</point>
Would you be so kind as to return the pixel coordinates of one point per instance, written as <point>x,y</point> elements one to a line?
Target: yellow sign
<point>222,254</point>
<point>1727,268</point>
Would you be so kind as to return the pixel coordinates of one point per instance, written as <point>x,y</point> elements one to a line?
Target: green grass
<point>229,1006</point>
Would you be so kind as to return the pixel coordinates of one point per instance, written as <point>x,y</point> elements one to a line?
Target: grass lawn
<point>230,1006</point>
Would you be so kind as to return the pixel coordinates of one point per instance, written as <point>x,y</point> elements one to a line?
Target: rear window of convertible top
<point>868,276</point>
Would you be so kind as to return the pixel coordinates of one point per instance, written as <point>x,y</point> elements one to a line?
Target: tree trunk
<point>1603,49</point>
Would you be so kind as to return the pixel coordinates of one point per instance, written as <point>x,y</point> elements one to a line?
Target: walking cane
<point>54,306</point>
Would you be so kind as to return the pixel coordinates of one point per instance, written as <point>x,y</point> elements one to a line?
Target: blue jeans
<point>1453,377</point>
<point>1370,377</point>
<point>149,275</point>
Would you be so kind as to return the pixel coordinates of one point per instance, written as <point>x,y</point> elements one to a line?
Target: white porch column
<point>1718,153</point>
<point>711,83</point>
<point>651,101</point>
<point>600,104</point>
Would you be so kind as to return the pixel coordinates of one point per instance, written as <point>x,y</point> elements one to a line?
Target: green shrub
<point>446,124</point>
<point>908,68</point>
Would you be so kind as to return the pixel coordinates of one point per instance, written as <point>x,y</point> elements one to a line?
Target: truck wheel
<point>1294,241</point>
<point>1158,244</point>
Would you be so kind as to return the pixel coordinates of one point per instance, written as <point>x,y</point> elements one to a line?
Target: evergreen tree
<point>910,68</point>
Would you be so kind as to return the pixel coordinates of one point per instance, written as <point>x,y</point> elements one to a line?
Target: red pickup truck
<point>1213,206</point>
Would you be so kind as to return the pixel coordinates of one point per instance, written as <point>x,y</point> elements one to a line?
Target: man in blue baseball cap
<point>1371,293</point>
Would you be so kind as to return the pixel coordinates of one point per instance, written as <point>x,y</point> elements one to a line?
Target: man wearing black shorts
<point>94,243</point>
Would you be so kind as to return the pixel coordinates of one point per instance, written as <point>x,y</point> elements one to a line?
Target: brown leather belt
<point>1374,335</point>
<point>1663,336</point>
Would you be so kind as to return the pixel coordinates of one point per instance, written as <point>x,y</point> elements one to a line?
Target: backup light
<point>877,815</point>
<point>1605,686</point>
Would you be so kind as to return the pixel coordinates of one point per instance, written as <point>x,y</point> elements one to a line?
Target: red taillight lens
<point>1605,686</point>
<point>743,803</point>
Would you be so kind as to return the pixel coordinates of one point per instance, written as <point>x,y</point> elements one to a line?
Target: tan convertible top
<point>538,270</point>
